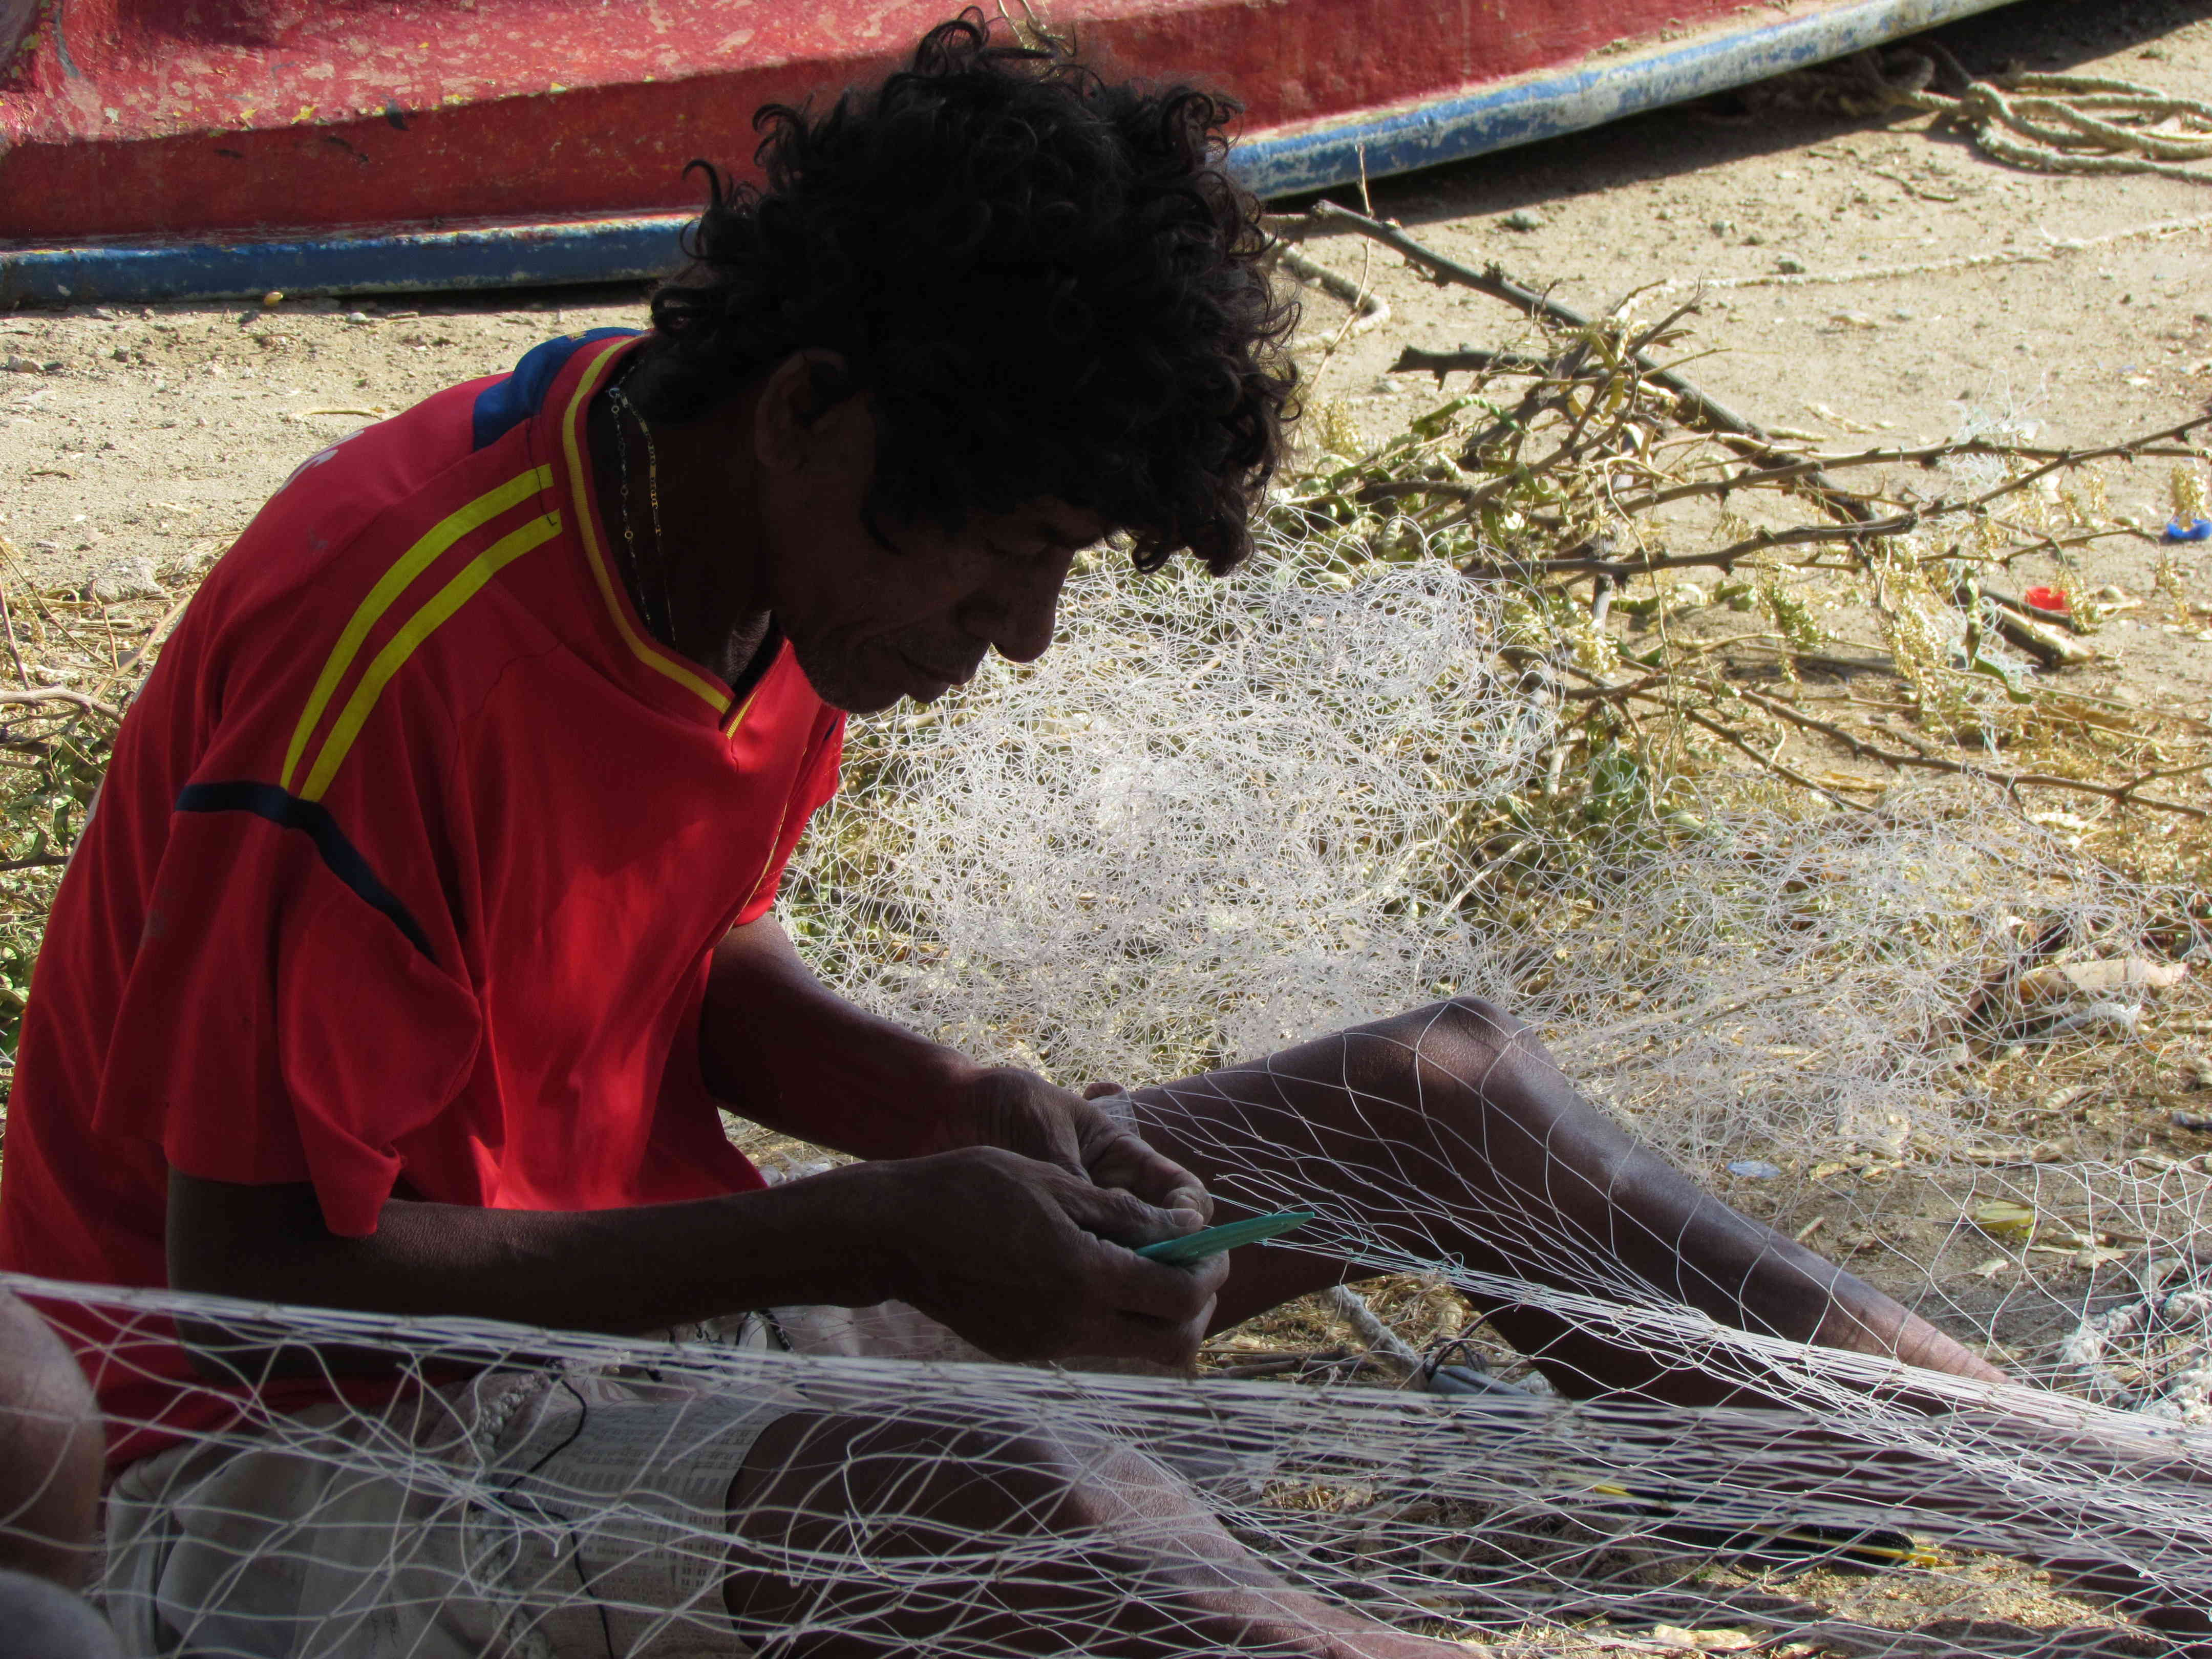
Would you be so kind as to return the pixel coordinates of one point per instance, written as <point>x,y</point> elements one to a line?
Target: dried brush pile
<point>1630,520</point>
<point>74,658</point>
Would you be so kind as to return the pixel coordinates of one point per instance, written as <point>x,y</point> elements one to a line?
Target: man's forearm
<point>1025,1259</point>
<point>619,1271</point>
<point>786,1051</point>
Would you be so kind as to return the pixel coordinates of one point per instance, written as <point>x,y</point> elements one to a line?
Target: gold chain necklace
<point>660,625</point>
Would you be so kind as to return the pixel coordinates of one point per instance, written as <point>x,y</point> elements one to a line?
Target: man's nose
<point>1015,615</point>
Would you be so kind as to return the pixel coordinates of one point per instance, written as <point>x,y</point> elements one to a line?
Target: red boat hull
<point>188,118</point>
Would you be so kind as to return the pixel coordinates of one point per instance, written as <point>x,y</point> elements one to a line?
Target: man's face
<point>871,624</point>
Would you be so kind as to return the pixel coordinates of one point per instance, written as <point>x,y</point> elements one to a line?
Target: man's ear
<point>803,412</point>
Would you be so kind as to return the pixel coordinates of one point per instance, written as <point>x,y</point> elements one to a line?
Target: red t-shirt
<point>404,876</point>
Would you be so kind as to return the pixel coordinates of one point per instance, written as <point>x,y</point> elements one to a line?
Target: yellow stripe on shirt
<point>587,527</point>
<point>394,581</point>
<point>418,628</point>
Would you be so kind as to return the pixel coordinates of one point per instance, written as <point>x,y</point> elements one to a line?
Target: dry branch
<point>1720,418</point>
<point>2125,794</point>
<point>60,693</point>
<point>1724,558</point>
<point>1551,468</point>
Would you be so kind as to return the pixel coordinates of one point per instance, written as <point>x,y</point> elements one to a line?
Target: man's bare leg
<point>857,1537</point>
<point>51,1449</point>
<point>1452,1132</point>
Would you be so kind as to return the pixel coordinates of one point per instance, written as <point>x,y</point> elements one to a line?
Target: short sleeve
<point>813,788</point>
<point>285,1017</point>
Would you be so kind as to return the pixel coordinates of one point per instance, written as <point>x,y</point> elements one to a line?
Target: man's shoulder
<point>358,591</point>
<point>429,477</point>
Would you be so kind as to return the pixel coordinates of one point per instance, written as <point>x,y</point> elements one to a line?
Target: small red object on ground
<point>2048,598</point>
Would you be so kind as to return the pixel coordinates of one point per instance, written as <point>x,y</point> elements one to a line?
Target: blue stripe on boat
<point>1544,105</point>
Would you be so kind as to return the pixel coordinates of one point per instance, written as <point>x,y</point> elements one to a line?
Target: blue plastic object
<point>2197,529</point>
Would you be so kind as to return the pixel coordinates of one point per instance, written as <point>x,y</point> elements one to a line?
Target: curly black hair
<point>1045,282</point>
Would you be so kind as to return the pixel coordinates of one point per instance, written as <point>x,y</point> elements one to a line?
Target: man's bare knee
<point>51,1448</point>
<point>39,1620</point>
<point>1471,1044</point>
<point>807,1471</point>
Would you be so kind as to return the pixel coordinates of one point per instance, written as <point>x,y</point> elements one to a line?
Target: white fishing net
<point>1217,819</point>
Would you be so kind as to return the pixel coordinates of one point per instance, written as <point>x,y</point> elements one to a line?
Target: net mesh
<point>450,1517</point>
<point>1218,818</point>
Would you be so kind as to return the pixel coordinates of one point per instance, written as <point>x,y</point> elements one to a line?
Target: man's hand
<point>1019,1111</point>
<point>1031,1259</point>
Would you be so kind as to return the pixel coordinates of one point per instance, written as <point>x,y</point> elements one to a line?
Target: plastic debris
<point>2197,529</point>
<point>2091,978</point>
<point>2048,598</point>
<point>2121,1017</point>
<point>1704,1641</point>
<point>1756,1169</point>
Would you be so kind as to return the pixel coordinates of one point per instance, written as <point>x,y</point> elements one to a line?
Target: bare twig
<point>14,652</point>
<point>1734,553</point>
<point>1789,774</point>
<point>1414,361</point>
<point>1726,421</point>
<point>1277,1365</point>
<point>2125,794</point>
<point>1370,309</point>
<point>61,694</point>
<point>155,635</point>
<point>2041,642</point>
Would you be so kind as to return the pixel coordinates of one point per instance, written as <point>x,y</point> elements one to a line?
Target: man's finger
<point>1127,1161</point>
<point>1193,1198</point>
<point>1177,1293</point>
<point>1117,1214</point>
<point>1154,1291</point>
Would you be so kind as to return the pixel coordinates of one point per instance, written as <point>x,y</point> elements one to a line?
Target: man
<point>424,923</point>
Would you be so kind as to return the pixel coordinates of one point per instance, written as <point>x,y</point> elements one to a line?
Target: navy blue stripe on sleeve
<point>340,856</point>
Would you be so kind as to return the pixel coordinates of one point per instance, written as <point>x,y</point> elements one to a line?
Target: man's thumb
<point>1122,1216</point>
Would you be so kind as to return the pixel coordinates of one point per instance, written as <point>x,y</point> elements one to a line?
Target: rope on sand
<point>1370,309</point>
<point>2040,121</point>
<point>2149,1355</point>
<point>2076,123</point>
<point>2044,255</point>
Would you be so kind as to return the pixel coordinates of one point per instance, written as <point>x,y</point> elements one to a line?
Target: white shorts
<point>543,1513</point>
